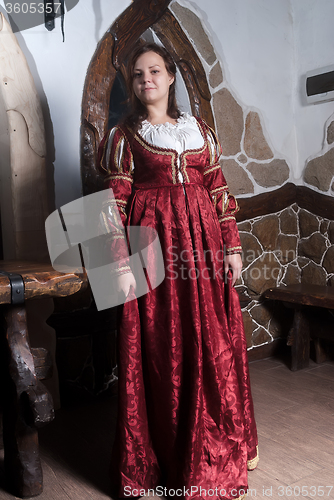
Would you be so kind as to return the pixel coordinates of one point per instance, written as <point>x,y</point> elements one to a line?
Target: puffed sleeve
<point>225,203</point>
<point>116,161</point>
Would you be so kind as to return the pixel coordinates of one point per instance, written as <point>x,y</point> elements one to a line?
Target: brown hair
<point>138,111</point>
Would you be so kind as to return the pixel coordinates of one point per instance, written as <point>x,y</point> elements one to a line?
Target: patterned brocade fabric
<point>186,419</point>
<point>115,157</point>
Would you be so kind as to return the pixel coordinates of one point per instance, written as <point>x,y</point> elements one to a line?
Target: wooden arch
<point>111,55</point>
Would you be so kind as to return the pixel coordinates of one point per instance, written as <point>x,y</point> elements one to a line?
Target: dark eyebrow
<point>150,67</point>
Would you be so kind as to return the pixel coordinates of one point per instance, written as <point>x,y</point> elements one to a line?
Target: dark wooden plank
<point>317,203</point>
<point>266,203</point>
<point>95,112</point>
<point>40,280</point>
<point>274,201</point>
<point>320,352</point>
<point>75,448</point>
<point>303,294</point>
<point>300,342</point>
<point>42,363</point>
<point>27,405</point>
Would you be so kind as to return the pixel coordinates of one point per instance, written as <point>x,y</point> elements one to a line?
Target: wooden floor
<point>295,417</point>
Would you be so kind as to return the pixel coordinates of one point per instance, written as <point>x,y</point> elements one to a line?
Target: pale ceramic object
<point>23,180</point>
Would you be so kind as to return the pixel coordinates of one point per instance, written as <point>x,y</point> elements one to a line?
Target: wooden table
<point>301,297</point>
<point>27,404</point>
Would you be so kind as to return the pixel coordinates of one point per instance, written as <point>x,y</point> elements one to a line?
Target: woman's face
<point>151,80</point>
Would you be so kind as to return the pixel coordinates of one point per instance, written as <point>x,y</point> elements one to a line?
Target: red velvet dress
<point>186,420</point>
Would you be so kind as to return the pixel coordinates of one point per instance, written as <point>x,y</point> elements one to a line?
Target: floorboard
<point>295,418</point>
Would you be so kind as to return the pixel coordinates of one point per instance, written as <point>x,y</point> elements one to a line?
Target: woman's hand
<point>125,282</point>
<point>233,262</point>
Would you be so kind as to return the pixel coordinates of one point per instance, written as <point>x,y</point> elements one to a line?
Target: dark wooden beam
<point>27,406</point>
<point>274,201</point>
<point>317,203</point>
<point>303,294</point>
<point>266,203</point>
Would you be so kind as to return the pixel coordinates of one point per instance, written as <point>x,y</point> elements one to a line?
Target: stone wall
<point>319,171</point>
<point>287,247</point>
<point>250,164</point>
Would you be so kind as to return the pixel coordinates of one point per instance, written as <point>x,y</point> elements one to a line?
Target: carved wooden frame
<point>111,55</point>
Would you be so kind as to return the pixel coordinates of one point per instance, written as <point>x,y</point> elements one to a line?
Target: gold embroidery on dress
<point>183,169</point>
<point>211,156</point>
<point>114,210</point>
<point>218,190</point>
<point>120,202</point>
<point>116,236</point>
<point>189,152</point>
<point>239,247</point>
<point>173,169</point>
<point>214,167</point>
<point>220,151</point>
<point>125,177</point>
<point>105,221</point>
<point>120,270</point>
<point>132,165</point>
<point>225,202</point>
<point>224,218</point>
<point>123,212</point>
<point>160,151</point>
<point>117,163</point>
<point>237,208</point>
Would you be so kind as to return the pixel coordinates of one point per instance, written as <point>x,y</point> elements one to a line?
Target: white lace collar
<point>184,119</point>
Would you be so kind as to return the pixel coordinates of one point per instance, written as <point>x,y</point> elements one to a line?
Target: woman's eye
<point>137,75</point>
<point>155,71</point>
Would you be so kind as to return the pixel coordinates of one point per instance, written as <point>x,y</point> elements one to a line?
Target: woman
<point>186,418</point>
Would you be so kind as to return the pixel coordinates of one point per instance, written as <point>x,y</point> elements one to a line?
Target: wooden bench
<point>26,404</point>
<point>303,298</point>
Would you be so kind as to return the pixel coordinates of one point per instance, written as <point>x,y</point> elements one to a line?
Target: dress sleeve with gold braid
<point>225,203</point>
<point>116,161</point>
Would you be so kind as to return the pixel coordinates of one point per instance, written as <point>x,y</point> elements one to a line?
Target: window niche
<point>118,101</point>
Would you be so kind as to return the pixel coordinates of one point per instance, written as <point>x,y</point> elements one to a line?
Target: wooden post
<point>27,406</point>
<point>300,341</point>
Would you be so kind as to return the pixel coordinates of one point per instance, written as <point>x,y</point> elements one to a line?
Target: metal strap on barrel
<point>16,285</point>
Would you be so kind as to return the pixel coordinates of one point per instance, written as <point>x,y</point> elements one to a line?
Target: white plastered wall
<point>265,47</point>
<point>314,48</point>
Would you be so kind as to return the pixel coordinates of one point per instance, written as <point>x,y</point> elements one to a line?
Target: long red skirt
<point>186,421</point>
